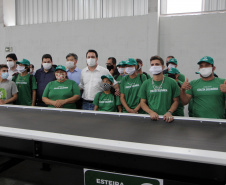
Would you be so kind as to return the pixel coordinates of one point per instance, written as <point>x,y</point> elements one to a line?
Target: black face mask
<point>172,76</point>
<point>110,67</point>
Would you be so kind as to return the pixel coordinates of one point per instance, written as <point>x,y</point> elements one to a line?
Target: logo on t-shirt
<point>61,87</point>
<point>3,94</point>
<point>208,88</point>
<point>131,85</point>
<point>158,90</point>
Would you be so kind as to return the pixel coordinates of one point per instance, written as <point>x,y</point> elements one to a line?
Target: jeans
<point>87,105</point>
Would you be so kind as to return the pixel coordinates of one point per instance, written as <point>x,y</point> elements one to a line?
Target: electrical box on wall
<point>8,49</point>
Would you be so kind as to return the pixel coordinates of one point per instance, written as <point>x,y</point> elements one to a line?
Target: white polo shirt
<point>91,81</point>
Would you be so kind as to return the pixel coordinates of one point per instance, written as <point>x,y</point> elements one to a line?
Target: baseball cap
<point>174,71</point>
<point>122,63</point>
<point>24,62</point>
<point>131,62</point>
<point>173,60</point>
<point>109,77</point>
<point>60,67</point>
<point>206,59</point>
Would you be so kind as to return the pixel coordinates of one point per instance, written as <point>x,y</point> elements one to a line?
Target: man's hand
<point>117,92</point>
<point>2,102</point>
<point>186,85</point>
<point>167,117</point>
<point>131,111</point>
<point>154,116</point>
<point>223,87</point>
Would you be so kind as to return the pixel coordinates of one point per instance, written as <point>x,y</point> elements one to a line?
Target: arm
<point>47,101</point>
<point>137,108</point>
<point>96,108</point>
<point>153,115</point>
<point>33,97</point>
<point>123,101</point>
<point>12,99</point>
<point>168,115</point>
<point>119,108</point>
<point>185,98</point>
<point>73,99</point>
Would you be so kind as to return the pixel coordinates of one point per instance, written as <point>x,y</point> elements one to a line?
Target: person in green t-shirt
<point>171,62</point>
<point>208,99</point>
<point>139,69</point>
<point>61,93</point>
<point>121,69</point>
<point>106,100</point>
<point>130,86</point>
<point>26,84</point>
<point>159,95</point>
<point>174,74</point>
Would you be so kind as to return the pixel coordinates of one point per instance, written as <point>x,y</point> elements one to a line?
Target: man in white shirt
<point>11,60</point>
<point>91,80</point>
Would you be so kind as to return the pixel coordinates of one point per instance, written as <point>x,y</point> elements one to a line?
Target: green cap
<point>122,63</point>
<point>173,60</point>
<point>24,62</point>
<point>206,59</point>
<point>131,62</point>
<point>109,78</point>
<point>60,67</point>
<point>174,71</point>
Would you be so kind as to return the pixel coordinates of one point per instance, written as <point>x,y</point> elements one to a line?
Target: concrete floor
<point>30,173</point>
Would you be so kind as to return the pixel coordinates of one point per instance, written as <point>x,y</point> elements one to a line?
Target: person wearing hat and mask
<point>160,94</point>
<point>208,100</point>
<point>172,63</point>
<point>8,88</point>
<point>140,66</point>
<point>61,93</point>
<point>106,100</point>
<point>91,80</point>
<point>121,69</point>
<point>130,86</point>
<point>11,60</point>
<point>174,74</point>
<point>26,84</point>
<point>43,76</point>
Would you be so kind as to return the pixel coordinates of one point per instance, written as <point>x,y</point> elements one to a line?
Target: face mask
<point>105,86</point>
<point>120,70</point>
<point>139,67</point>
<point>70,65</point>
<point>110,67</point>
<point>60,76</point>
<point>172,76</point>
<point>206,72</point>
<point>10,64</point>
<point>20,69</point>
<point>170,66</point>
<point>47,66</point>
<point>130,70</point>
<point>31,70</point>
<point>91,62</point>
<point>155,70</point>
<point>5,75</point>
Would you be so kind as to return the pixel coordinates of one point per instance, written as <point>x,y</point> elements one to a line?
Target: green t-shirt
<point>24,89</point>
<point>208,100</point>
<point>118,79</point>
<point>130,88</point>
<point>106,102</point>
<point>180,108</point>
<point>181,77</point>
<point>60,91</point>
<point>159,100</point>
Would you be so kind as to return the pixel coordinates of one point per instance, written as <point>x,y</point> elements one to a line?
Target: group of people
<point>121,87</point>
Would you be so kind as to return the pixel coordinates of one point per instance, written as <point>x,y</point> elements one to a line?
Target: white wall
<point>189,38</point>
<point>119,37</point>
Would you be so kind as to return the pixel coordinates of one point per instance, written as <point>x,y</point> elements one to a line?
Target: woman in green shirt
<point>61,93</point>
<point>106,100</point>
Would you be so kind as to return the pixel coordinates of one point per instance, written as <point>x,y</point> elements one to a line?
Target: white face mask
<point>120,70</point>
<point>31,70</point>
<point>91,62</point>
<point>70,64</point>
<point>139,67</point>
<point>10,64</point>
<point>206,72</point>
<point>130,70</point>
<point>155,70</point>
<point>170,66</point>
<point>20,69</point>
<point>47,66</point>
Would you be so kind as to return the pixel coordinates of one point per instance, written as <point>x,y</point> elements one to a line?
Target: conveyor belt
<point>200,134</point>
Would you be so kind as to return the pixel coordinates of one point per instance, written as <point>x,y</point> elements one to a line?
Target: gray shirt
<point>7,89</point>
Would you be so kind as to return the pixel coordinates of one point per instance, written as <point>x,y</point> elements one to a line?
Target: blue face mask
<point>5,75</point>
